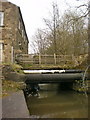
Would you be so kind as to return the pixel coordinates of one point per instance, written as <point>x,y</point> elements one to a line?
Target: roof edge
<point>3,0</point>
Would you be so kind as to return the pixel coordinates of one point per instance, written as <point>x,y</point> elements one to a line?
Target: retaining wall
<point>14,106</point>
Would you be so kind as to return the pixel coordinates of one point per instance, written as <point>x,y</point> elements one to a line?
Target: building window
<point>1,52</point>
<point>1,18</point>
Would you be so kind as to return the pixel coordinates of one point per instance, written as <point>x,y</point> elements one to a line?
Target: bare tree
<point>85,14</point>
<point>64,35</point>
<point>89,31</point>
<point>40,43</point>
<point>53,25</point>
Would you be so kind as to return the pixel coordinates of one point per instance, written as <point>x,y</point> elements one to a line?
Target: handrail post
<point>39,58</point>
<point>12,56</point>
<point>55,58</point>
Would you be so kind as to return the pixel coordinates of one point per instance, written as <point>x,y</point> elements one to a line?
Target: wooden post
<point>55,59</point>
<point>12,56</point>
<point>45,58</point>
<point>73,59</point>
<point>39,58</point>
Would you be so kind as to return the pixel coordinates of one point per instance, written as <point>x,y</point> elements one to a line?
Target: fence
<point>45,59</point>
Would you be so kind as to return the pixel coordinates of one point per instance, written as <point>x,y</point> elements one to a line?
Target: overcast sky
<point>33,12</point>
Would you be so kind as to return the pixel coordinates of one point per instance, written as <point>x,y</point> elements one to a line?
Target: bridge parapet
<point>63,60</point>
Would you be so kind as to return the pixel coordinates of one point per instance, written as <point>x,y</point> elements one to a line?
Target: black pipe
<point>53,78</point>
<point>74,71</point>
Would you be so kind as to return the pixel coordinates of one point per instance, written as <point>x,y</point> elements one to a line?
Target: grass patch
<point>9,87</point>
<point>17,68</point>
<point>13,67</point>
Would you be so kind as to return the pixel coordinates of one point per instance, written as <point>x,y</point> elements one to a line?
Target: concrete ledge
<point>14,106</point>
<point>13,76</point>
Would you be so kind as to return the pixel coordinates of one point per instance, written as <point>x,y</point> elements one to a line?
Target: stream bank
<point>13,99</point>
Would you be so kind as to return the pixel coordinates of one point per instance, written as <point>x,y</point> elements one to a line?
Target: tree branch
<point>82,6</point>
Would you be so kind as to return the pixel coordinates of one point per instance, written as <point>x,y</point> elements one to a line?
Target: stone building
<point>13,36</point>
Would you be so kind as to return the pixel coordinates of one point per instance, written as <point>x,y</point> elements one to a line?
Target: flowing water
<point>55,103</point>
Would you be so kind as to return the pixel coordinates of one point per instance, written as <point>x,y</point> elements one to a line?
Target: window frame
<point>1,18</point>
<point>1,51</point>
